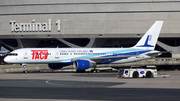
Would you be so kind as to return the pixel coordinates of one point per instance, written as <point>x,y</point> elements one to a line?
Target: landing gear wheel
<point>95,71</point>
<point>24,68</point>
<point>25,71</point>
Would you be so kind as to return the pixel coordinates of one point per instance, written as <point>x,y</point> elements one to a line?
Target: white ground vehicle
<point>137,73</point>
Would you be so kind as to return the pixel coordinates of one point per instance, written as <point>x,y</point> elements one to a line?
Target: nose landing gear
<point>24,69</point>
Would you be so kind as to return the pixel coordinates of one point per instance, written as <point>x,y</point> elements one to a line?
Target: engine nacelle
<point>83,64</point>
<point>56,65</point>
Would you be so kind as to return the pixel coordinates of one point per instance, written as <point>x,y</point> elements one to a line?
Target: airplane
<point>84,58</point>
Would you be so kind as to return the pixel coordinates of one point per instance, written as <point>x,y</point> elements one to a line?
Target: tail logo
<point>149,37</point>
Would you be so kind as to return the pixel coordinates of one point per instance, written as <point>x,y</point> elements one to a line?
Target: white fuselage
<point>68,55</point>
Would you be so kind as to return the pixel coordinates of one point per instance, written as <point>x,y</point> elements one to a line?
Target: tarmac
<point>74,86</point>
<point>70,79</point>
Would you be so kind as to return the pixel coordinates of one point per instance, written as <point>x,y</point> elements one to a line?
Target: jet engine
<point>83,64</point>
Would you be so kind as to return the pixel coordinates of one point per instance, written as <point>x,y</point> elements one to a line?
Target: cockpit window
<point>13,54</point>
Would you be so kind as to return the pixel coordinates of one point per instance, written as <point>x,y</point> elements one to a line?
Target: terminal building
<point>88,23</point>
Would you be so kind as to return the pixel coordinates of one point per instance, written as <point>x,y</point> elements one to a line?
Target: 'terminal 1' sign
<point>34,26</point>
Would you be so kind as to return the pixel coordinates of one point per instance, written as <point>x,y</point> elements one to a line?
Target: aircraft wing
<point>101,59</point>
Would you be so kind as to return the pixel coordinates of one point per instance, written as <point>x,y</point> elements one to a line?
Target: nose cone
<point>6,59</point>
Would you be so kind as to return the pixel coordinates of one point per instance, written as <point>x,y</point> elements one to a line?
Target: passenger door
<point>25,55</point>
<point>57,54</point>
<point>137,54</point>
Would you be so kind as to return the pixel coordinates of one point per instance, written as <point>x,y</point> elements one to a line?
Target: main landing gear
<point>95,71</point>
<point>24,68</point>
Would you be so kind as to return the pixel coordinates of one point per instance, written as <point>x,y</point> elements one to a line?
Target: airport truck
<point>137,73</point>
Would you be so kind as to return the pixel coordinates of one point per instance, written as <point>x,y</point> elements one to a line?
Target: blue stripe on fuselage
<point>125,52</point>
<point>109,54</point>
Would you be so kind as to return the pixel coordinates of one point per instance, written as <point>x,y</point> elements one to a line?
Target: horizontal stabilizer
<point>157,54</point>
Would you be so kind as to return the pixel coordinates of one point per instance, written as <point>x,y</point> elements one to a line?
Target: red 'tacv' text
<point>39,54</point>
